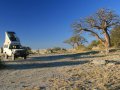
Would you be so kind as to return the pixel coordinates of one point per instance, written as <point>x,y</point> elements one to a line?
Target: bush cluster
<point>56,50</point>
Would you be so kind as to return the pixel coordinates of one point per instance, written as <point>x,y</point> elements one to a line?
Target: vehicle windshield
<point>12,36</point>
<point>15,47</point>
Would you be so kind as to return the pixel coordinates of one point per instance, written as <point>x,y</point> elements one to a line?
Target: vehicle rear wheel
<point>6,56</point>
<point>24,57</point>
<point>13,57</point>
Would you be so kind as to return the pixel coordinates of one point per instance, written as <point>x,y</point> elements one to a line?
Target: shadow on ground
<point>44,65</point>
<point>53,61</point>
<point>58,57</point>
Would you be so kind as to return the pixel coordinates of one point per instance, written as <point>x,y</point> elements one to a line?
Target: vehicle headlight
<point>14,52</point>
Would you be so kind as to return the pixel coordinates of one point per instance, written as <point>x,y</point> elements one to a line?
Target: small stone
<point>12,82</point>
<point>24,86</point>
<point>36,88</point>
<point>42,88</point>
<point>98,62</point>
<point>110,64</point>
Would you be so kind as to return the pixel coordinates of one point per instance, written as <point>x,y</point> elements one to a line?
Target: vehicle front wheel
<point>6,56</point>
<point>13,57</point>
<point>24,57</point>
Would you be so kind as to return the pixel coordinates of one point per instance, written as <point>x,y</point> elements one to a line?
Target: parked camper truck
<point>12,46</point>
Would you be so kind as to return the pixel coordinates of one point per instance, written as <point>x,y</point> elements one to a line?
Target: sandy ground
<point>62,72</point>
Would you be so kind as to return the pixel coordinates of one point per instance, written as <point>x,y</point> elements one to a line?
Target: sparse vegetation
<point>95,43</point>
<point>56,50</point>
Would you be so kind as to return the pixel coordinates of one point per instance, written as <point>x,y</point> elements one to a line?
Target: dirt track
<point>53,72</point>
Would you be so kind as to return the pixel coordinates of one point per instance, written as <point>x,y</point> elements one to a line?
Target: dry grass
<point>89,77</point>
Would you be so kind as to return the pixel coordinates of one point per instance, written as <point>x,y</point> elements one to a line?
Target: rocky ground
<point>85,71</point>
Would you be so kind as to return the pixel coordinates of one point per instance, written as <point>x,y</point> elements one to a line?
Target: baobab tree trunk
<point>107,41</point>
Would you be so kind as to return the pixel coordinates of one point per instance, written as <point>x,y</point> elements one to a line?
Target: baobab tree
<point>75,41</point>
<point>99,24</point>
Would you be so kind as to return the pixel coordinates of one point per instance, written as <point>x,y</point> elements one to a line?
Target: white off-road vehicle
<point>12,46</point>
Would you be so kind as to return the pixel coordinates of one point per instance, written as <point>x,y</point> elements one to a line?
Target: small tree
<point>75,40</point>
<point>115,36</point>
<point>99,24</point>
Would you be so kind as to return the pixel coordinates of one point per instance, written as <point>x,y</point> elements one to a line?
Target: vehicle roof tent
<point>11,38</point>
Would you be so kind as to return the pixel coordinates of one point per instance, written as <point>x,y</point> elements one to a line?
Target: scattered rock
<point>99,62</point>
<point>24,86</point>
<point>12,82</point>
<point>110,64</point>
<point>36,88</point>
<point>42,88</point>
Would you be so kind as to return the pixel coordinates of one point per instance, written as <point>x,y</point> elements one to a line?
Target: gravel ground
<point>64,72</point>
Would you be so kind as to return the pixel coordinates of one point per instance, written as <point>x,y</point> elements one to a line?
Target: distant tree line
<point>56,50</point>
